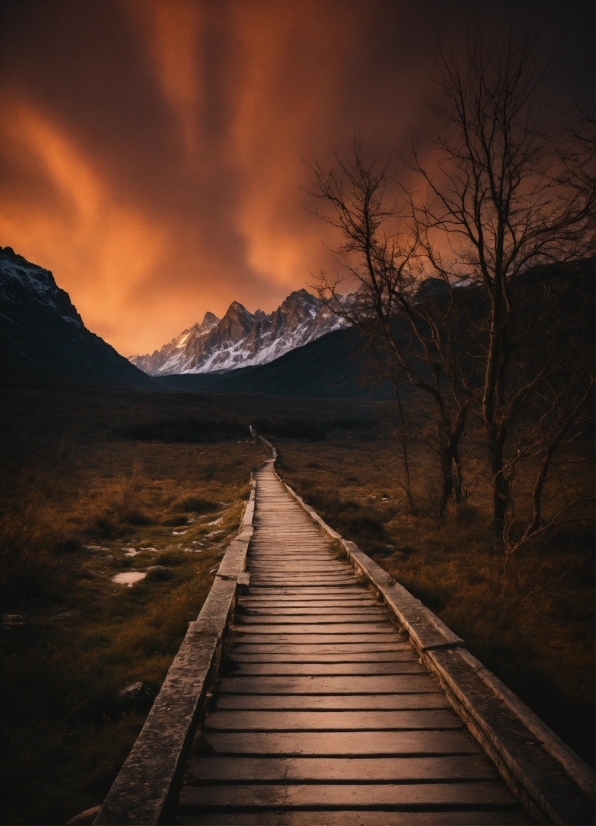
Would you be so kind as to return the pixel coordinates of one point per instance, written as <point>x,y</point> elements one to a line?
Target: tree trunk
<point>446,477</point>
<point>500,483</point>
<point>458,481</point>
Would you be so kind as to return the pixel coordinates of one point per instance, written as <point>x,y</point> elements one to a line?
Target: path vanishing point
<point>325,705</point>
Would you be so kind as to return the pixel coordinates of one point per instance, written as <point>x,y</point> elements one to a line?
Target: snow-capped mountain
<point>242,338</point>
<point>22,282</point>
<point>43,336</point>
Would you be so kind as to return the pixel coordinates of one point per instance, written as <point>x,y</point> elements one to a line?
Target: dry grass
<point>532,624</point>
<point>74,496</point>
<point>79,507</point>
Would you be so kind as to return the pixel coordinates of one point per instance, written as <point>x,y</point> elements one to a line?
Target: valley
<point>120,492</point>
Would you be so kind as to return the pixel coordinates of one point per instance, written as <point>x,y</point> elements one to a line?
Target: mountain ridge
<point>241,338</point>
<point>42,335</point>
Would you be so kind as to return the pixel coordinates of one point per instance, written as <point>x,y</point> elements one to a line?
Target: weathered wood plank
<point>405,655</point>
<point>331,702</point>
<point>331,720</point>
<point>381,684</point>
<point>310,604</point>
<point>280,669</point>
<point>316,562</point>
<point>348,600</point>
<point>241,646</point>
<point>355,769</point>
<point>357,817</point>
<point>312,580</point>
<point>308,619</point>
<point>422,795</point>
<point>285,592</point>
<point>283,638</point>
<point>354,743</point>
<point>320,628</point>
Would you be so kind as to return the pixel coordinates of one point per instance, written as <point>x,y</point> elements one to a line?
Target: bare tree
<point>497,198</point>
<point>409,327</point>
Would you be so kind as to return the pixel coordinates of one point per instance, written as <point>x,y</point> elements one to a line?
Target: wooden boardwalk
<point>322,712</point>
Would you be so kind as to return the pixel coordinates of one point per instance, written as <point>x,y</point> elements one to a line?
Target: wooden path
<point>322,713</point>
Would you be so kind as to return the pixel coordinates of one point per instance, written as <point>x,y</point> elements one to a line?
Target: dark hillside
<point>42,336</point>
<point>333,366</point>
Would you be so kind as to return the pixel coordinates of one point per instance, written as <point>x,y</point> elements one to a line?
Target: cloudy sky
<point>154,152</point>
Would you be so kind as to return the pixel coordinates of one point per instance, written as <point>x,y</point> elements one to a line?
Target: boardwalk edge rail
<point>147,784</point>
<point>554,784</point>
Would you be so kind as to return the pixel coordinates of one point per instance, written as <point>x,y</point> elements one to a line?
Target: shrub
<point>175,521</point>
<point>135,516</point>
<point>159,574</point>
<point>195,504</point>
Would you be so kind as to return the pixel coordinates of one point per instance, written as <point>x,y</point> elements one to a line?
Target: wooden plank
<point>355,769</point>
<point>357,817</point>
<point>322,628</point>
<point>406,655</point>
<point>348,601</point>
<point>297,576</point>
<point>302,577</point>
<point>322,559</point>
<point>241,646</point>
<point>302,592</point>
<point>263,609</point>
<point>331,702</point>
<point>302,569</point>
<point>313,580</point>
<point>282,638</point>
<point>291,553</point>
<point>293,562</point>
<point>310,669</point>
<point>308,619</point>
<point>331,720</point>
<point>354,743</point>
<point>423,795</point>
<point>297,571</point>
<point>383,684</point>
<point>329,607</point>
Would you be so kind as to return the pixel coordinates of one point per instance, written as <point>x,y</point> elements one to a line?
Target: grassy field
<point>80,506</point>
<point>100,483</point>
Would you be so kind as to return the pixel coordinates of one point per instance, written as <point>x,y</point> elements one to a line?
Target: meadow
<point>99,483</point>
<point>81,505</point>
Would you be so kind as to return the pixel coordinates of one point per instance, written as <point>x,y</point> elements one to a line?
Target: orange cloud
<point>290,72</point>
<point>98,249</point>
<point>154,149</point>
<point>172,30</point>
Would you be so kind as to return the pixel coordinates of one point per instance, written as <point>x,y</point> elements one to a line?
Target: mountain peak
<point>20,280</point>
<point>242,338</point>
<point>209,320</point>
<point>237,307</point>
<point>43,334</point>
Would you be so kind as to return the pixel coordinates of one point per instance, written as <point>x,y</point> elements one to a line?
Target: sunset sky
<point>153,151</point>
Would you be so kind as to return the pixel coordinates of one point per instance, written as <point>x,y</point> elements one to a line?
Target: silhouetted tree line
<point>474,287</point>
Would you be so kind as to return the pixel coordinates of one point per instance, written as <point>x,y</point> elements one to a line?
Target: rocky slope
<point>241,338</point>
<point>43,336</point>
